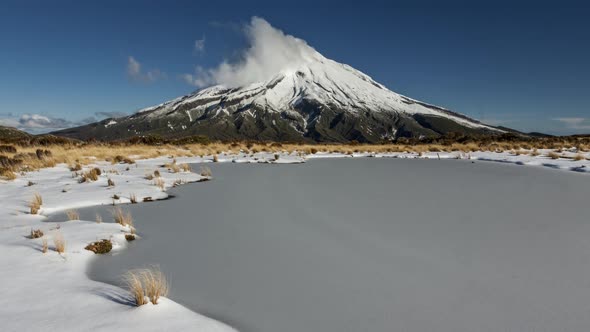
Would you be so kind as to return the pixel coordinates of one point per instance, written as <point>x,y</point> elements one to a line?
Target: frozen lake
<point>372,245</point>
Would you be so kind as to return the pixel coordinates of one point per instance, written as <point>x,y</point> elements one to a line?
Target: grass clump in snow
<point>76,167</point>
<point>579,157</point>
<point>44,246</point>
<point>59,242</point>
<point>134,284</point>
<point>149,282</point>
<point>155,283</point>
<point>121,159</point>
<point>159,182</point>
<point>100,247</point>
<point>553,155</point>
<point>129,237</point>
<point>110,183</point>
<point>73,215</point>
<point>91,175</point>
<point>35,204</point>
<point>122,218</point>
<point>185,167</point>
<point>7,174</point>
<point>206,171</point>
<point>36,233</point>
<point>132,198</point>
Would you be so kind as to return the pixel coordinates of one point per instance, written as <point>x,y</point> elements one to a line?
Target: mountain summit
<point>308,97</point>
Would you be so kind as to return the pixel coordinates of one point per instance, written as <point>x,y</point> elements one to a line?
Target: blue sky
<point>524,66</point>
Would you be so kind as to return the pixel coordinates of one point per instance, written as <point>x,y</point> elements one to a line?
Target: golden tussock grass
<point>73,215</point>
<point>134,284</point>
<point>148,283</point>
<point>579,157</point>
<point>159,182</point>
<point>31,157</point>
<point>206,171</point>
<point>59,242</point>
<point>132,198</point>
<point>553,155</point>
<point>91,175</point>
<point>7,174</point>
<point>122,218</point>
<point>44,246</point>
<point>35,203</point>
<point>185,167</point>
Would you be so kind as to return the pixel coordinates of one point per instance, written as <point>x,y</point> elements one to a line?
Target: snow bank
<point>49,291</point>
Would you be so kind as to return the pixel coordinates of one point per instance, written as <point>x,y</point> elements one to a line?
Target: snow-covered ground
<point>50,291</point>
<point>567,163</point>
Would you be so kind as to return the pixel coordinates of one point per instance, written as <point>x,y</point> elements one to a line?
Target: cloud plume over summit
<point>270,51</point>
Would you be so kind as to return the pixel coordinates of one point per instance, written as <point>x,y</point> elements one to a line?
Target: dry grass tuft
<point>553,155</point>
<point>59,242</point>
<point>206,171</point>
<point>121,159</point>
<point>579,157</point>
<point>91,175</point>
<point>134,284</point>
<point>132,198</point>
<point>73,215</point>
<point>36,233</point>
<point>110,183</point>
<point>185,167</point>
<point>76,167</point>
<point>44,246</point>
<point>36,203</point>
<point>122,218</point>
<point>159,182</point>
<point>129,237</point>
<point>7,174</point>
<point>154,283</point>
<point>149,282</point>
<point>215,159</point>
<point>156,174</point>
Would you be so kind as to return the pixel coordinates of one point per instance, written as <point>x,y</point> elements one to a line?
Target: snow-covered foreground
<point>50,291</point>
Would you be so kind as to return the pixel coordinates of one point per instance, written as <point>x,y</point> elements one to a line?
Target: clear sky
<point>525,65</point>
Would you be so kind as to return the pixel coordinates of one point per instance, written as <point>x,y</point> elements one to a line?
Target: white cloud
<point>135,73</point>
<point>200,45</point>
<point>37,123</point>
<point>270,51</point>
<point>575,123</point>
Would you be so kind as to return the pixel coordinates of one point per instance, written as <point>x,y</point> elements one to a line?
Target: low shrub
<point>129,237</point>
<point>36,233</point>
<point>100,247</point>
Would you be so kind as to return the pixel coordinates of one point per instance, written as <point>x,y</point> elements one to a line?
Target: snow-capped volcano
<point>307,97</point>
